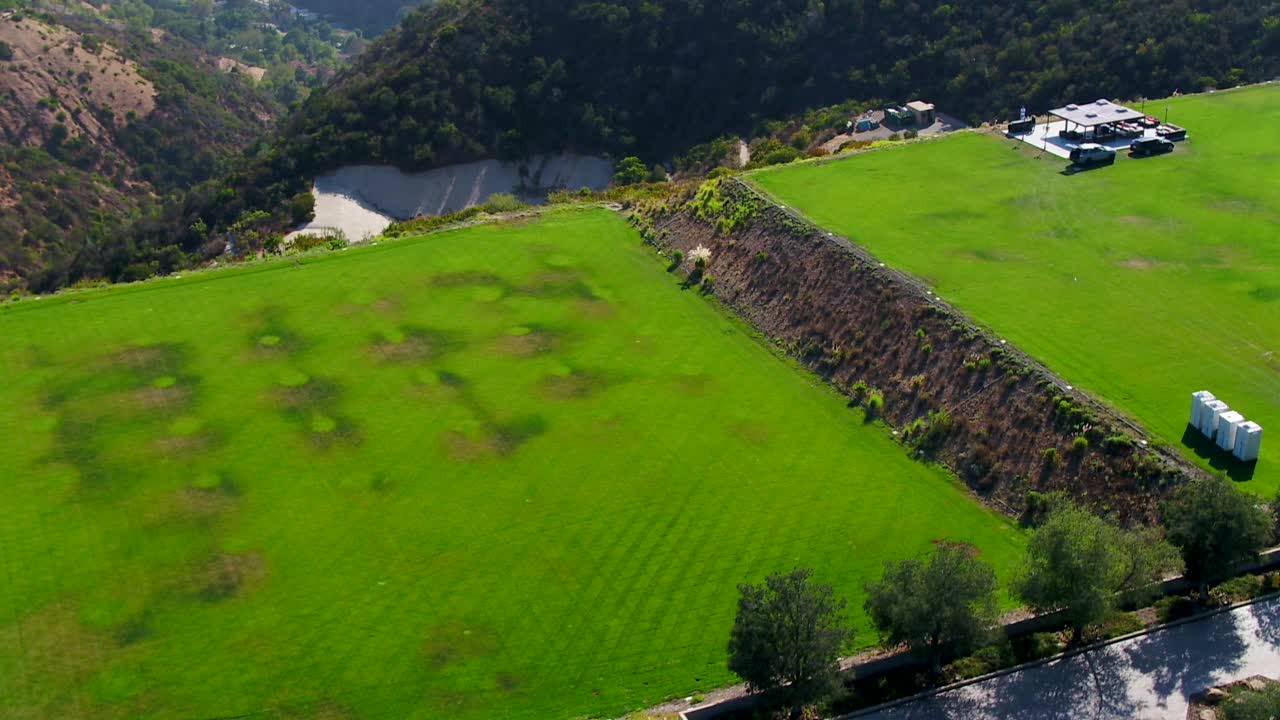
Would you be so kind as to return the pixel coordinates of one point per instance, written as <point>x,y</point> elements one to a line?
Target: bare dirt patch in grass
<point>573,384</point>
<point>1142,263</point>
<point>56,647</point>
<point>227,574</point>
<point>451,643</point>
<point>528,341</point>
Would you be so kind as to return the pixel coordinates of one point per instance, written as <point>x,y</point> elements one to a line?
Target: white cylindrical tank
<point>1228,423</point>
<point>1198,399</point>
<point>1209,417</point>
<point>1248,441</point>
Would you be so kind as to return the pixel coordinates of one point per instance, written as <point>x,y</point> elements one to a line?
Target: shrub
<point>1253,704</point>
<point>502,202</point>
<point>927,349</point>
<point>875,404</point>
<point>920,334</point>
<point>984,363</point>
<point>1117,443</point>
<point>708,283</point>
<point>970,365</point>
<point>1174,607</point>
<point>859,388</point>
<point>762,256</point>
<point>1080,444</point>
<point>1115,626</point>
<point>630,170</point>
<point>6,51</point>
<point>677,257</point>
<point>1050,456</point>
<point>987,660</point>
<point>911,134</point>
<point>1239,589</point>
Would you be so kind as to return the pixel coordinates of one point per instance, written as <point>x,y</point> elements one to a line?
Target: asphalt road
<point>1148,677</point>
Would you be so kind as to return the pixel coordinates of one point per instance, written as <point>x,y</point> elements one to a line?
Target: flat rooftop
<point>1095,113</point>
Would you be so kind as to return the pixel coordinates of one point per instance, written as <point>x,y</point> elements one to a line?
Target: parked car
<point>1091,154</point>
<point>1151,146</point>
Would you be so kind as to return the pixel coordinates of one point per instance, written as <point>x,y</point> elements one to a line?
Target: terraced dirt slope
<point>510,471</point>
<point>1141,282</point>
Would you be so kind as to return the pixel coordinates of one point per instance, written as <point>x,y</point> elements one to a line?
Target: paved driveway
<point>1147,677</point>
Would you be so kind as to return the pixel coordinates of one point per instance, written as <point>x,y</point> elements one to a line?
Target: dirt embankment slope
<point>954,392</point>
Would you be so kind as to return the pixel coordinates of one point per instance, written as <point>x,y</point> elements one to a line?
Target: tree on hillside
<point>631,170</point>
<point>941,606</point>
<point>1216,527</point>
<point>787,637</point>
<point>1084,565</point>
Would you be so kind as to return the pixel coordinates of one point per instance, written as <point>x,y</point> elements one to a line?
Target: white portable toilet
<point>1198,399</point>
<point>1248,441</point>
<point>1209,417</point>
<point>1228,423</point>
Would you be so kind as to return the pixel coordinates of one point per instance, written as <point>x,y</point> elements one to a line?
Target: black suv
<point>1145,147</point>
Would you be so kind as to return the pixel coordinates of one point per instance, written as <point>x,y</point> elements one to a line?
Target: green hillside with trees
<point>470,79</point>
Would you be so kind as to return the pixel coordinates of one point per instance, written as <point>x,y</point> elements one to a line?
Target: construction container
<point>1228,423</point>
<point>1209,417</point>
<point>1198,399</point>
<point>1248,441</point>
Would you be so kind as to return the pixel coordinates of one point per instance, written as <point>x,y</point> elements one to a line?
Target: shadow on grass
<point>1218,459</point>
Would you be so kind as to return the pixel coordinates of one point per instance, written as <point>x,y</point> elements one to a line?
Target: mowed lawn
<point>1141,282</point>
<point>503,472</point>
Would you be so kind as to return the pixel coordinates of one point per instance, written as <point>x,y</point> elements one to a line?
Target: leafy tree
<point>939,606</point>
<point>787,637</point>
<point>1216,527</point>
<point>1084,565</point>
<point>630,171</point>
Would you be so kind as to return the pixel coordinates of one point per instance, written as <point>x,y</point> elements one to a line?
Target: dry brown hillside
<point>57,76</point>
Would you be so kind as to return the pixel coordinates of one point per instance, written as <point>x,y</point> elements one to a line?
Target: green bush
<point>1238,589</point>
<point>986,660</point>
<point>1050,456</point>
<point>1174,607</point>
<point>1253,705</point>
<point>1117,443</point>
<point>1115,626</point>
<point>501,203</point>
<point>875,404</point>
<point>1080,444</point>
<point>630,170</point>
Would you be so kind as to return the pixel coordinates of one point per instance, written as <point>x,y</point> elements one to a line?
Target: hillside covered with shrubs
<point>470,79</point>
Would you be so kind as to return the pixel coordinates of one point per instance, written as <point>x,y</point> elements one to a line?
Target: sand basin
<point>362,200</point>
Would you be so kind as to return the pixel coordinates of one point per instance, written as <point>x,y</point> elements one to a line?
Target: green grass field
<point>509,471</point>
<point>1142,282</point>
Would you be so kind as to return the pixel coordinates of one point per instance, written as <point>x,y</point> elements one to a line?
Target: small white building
<point>1248,440</point>
<point>1228,423</point>
<point>1209,417</point>
<point>1198,399</point>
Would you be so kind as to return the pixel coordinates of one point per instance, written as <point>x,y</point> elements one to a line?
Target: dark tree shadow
<point>1189,658</point>
<point>1218,459</point>
<point>1267,613</point>
<point>1087,685</point>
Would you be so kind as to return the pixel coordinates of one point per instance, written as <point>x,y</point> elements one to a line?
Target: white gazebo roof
<point>1097,112</point>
